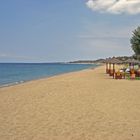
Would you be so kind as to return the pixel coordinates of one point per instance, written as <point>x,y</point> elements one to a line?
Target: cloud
<point>115,6</point>
<point>3,55</point>
<point>101,37</point>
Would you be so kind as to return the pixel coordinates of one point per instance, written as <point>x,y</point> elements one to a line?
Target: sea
<point>16,73</point>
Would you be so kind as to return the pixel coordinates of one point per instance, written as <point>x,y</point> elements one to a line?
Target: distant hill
<point>123,58</point>
<point>88,61</point>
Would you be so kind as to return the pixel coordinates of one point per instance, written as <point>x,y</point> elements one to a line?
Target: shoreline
<point>41,78</point>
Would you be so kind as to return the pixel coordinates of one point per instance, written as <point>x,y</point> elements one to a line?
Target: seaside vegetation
<point>135,43</point>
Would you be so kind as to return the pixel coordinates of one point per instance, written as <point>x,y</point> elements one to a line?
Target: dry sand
<point>84,105</point>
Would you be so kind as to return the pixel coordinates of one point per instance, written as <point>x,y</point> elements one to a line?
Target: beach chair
<point>118,75</point>
<point>137,72</point>
<point>111,73</point>
<point>108,71</point>
<point>133,76</point>
<point>132,71</point>
<point>123,75</point>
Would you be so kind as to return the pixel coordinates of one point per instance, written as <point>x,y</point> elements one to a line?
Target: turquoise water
<point>14,73</point>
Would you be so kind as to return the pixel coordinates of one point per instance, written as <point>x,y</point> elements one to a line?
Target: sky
<point>66,30</point>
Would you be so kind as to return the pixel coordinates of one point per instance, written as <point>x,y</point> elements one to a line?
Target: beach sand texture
<point>83,105</point>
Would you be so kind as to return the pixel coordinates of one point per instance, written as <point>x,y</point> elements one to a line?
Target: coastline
<point>43,77</point>
<point>85,104</point>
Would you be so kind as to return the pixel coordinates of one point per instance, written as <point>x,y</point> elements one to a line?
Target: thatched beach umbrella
<point>113,61</point>
<point>107,61</point>
<point>132,62</point>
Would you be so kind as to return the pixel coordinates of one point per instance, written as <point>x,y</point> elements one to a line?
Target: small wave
<point>11,84</point>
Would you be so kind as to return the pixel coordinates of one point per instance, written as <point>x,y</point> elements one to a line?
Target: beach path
<point>83,105</point>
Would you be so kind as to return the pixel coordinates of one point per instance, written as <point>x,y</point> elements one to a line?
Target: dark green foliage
<point>135,42</point>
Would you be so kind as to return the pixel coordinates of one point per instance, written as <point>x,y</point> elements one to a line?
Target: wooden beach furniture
<point>137,72</point>
<point>112,61</point>
<point>133,76</point>
<point>118,75</point>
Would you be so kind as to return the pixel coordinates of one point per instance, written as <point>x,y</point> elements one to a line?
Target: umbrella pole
<point>109,68</point>
<point>130,66</point>
<point>106,67</point>
<point>113,70</point>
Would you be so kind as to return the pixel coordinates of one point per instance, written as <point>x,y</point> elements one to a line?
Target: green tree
<point>135,42</point>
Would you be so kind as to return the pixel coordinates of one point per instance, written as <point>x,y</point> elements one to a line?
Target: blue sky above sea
<point>64,30</point>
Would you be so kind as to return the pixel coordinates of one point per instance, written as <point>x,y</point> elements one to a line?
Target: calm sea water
<point>14,73</point>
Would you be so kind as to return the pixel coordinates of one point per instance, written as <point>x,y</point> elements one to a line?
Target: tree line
<point>135,43</point>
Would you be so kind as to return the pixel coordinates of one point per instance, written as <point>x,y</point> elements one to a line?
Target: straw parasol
<point>113,61</point>
<point>132,62</point>
<point>107,61</point>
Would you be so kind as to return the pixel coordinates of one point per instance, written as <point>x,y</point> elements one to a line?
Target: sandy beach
<point>83,105</point>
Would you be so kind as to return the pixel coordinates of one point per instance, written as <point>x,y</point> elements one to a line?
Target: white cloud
<point>3,55</point>
<point>115,6</point>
